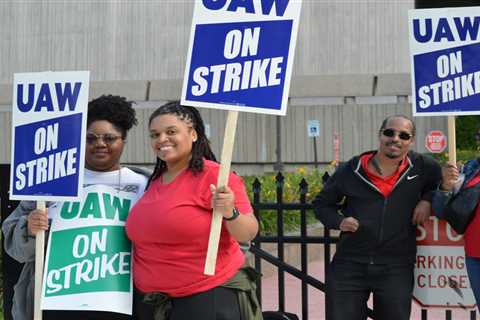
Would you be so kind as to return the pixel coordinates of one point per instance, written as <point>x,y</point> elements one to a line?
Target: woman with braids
<point>108,121</point>
<point>170,225</point>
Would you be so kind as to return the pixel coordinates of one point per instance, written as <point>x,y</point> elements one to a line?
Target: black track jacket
<point>385,234</point>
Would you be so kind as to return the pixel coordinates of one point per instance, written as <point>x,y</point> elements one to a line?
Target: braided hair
<point>200,148</point>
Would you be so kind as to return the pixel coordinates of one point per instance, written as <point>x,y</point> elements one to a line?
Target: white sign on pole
<point>240,55</point>
<point>313,128</point>
<point>444,51</point>
<point>240,58</point>
<point>88,258</point>
<point>49,118</point>
<point>441,278</point>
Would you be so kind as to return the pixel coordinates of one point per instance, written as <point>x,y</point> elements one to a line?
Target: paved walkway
<point>316,303</point>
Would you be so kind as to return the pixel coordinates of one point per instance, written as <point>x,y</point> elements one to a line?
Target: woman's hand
<point>450,176</point>
<point>37,220</point>
<point>223,200</point>
<point>244,227</point>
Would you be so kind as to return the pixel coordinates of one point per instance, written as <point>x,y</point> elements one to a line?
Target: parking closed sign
<point>48,123</point>
<point>441,278</point>
<point>241,55</point>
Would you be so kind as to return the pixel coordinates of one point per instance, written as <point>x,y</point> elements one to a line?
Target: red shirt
<point>385,185</point>
<point>472,234</point>
<point>170,226</point>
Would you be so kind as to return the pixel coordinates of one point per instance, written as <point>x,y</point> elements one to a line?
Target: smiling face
<point>172,139</point>
<point>104,146</point>
<point>391,143</point>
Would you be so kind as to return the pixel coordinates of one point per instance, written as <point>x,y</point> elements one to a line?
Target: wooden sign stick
<point>452,145</point>
<point>39,257</point>
<point>225,161</point>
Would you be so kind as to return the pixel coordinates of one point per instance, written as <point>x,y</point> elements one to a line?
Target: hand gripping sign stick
<point>39,257</point>
<point>225,161</point>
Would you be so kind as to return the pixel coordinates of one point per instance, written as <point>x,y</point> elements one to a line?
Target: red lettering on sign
<point>440,262</point>
<point>442,281</point>
<point>437,233</point>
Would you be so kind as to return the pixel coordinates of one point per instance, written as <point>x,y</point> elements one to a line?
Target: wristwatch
<point>234,216</point>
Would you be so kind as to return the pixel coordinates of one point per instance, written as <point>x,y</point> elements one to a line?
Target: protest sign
<point>88,257</point>
<point>48,123</point>
<point>240,55</point>
<point>240,58</point>
<point>444,50</point>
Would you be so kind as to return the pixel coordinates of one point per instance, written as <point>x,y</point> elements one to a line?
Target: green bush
<point>291,194</point>
<point>462,156</point>
<point>465,129</point>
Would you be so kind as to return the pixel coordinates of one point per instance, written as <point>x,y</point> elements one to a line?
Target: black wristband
<point>234,216</point>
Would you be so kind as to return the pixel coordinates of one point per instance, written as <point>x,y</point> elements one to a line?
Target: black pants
<point>215,304</point>
<point>147,313</point>
<point>349,285</point>
<point>83,315</point>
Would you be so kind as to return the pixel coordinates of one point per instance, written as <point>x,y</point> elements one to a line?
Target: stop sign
<point>441,278</point>
<point>435,141</point>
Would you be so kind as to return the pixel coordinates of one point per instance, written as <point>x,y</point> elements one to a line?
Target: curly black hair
<point>114,109</point>
<point>200,148</point>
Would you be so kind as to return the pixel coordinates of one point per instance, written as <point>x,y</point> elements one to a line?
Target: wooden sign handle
<point>39,258</point>
<point>225,162</point>
<point>452,145</point>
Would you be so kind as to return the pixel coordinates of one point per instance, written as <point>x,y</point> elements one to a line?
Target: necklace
<point>376,165</point>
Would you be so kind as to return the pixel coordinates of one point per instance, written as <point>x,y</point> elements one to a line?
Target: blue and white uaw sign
<point>48,130</point>
<point>445,60</point>
<point>241,55</point>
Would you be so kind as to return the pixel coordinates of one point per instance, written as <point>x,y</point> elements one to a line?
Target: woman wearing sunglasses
<point>383,195</point>
<point>108,121</point>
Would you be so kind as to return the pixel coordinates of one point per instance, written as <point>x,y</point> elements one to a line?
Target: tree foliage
<point>465,129</point>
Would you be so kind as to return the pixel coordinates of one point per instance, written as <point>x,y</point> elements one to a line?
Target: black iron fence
<point>10,268</point>
<point>303,239</point>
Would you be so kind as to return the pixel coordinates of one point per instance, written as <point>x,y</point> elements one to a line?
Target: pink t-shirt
<point>169,227</point>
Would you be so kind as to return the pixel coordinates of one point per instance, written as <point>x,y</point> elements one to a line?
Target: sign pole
<point>336,148</point>
<point>225,162</point>
<point>39,257</point>
<point>452,147</point>
<point>315,157</point>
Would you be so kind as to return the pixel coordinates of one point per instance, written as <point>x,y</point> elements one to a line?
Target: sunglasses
<point>107,138</point>
<point>401,134</point>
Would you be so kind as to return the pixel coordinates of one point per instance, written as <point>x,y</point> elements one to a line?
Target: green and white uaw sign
<point>88,257</point>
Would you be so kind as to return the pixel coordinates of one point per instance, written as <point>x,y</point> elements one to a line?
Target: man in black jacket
<point>376,199</point>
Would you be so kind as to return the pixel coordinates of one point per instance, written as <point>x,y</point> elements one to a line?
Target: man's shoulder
<point>419,158</point>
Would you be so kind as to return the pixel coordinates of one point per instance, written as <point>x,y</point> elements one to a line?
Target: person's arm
<point>18,243</point>
<point>327,204</point>
<point>444,192</point>
<point>243,227</point>
<point>433,178</point>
